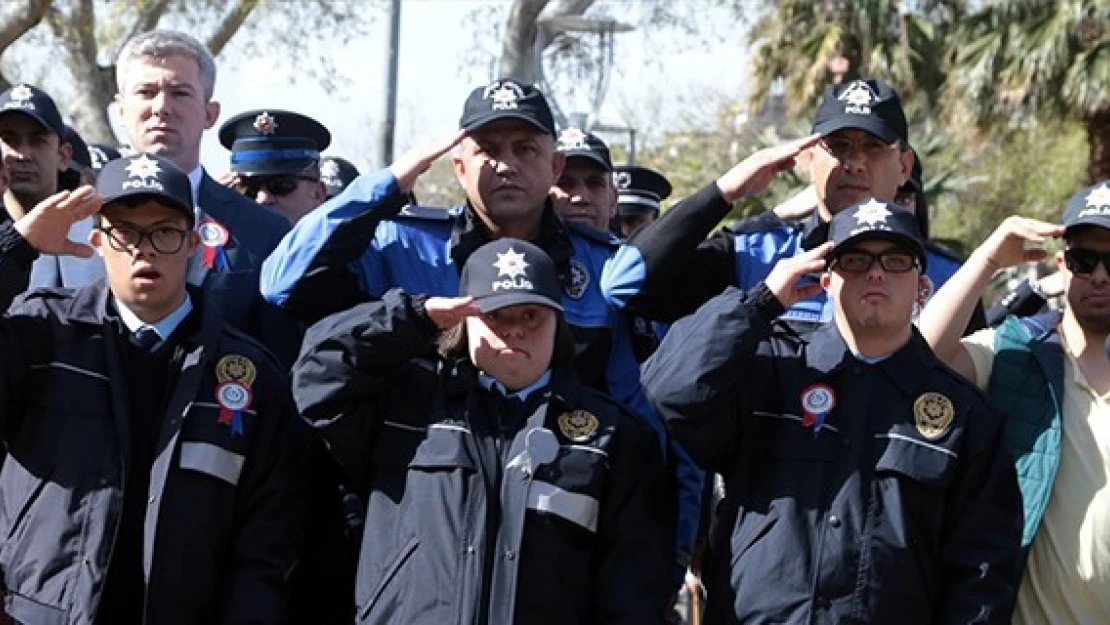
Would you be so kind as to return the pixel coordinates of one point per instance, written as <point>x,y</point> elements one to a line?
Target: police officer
<point>865,481</point>
<point>35,151</point>
<point>153,450</point>
<point>336,173</point>
<point>584,193</point>
<point>276,158</point>
<point>859,150</point>
<point>503,490</point>
<point>640,194</point>
<point>369,239</point>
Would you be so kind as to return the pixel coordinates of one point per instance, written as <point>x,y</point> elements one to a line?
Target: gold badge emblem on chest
<point>578,425</point>
<point>933,413</point>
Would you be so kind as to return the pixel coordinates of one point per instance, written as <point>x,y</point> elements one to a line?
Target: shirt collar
<point>491,384</point>
<point>165,327</point>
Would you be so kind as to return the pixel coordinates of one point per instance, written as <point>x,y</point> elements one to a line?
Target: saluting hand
<point>1007,245</point>
<point>754,174</point>
<point>783,279</point>
<point>46,227</point>
<point>410,165</point>
<point>448,312</point>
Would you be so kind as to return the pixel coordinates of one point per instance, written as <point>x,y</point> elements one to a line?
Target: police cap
<point>336,173</point>
<point>876,220</point>
<point>869,105</point>
<point>507,99</point>
<point>146,176</point>
<point>34,103</point>
<point>268,142</point>
<point>640,190</point>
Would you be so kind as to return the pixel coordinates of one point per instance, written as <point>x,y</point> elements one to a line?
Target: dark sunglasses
<point>1083,261</point>
<point>861,262</point>
<point>279,185</point>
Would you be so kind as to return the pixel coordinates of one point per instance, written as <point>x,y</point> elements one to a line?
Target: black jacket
<point>224,510</point>
<point>901,506</point>
<point>462,526</point>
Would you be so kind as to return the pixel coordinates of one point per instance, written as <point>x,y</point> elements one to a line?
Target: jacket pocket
<point>923,462</point>
<point>28,503</point>
<point>744,542</point>
<point>388,574</point>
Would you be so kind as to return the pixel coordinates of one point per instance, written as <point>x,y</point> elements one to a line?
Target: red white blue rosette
<point>213,238</point>
<point>233,399</point>
<point>818,400</point>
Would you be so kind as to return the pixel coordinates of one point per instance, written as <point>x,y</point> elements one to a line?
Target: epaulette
<point>428,213</point>
<point>605,238</point>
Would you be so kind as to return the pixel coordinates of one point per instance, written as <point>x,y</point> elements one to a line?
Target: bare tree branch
<point>517,55</point>
<point>230,25</point>
<point>15,21</point>
<point>150,13</point>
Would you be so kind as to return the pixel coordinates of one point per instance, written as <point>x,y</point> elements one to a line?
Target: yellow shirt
<point>1067,576</point>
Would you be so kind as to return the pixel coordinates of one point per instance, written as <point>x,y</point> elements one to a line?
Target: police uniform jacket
<point>670,268</point>
<point>223,518</point>
<point>368,240</point>
<point>466,522</point>
<point>899,505</point>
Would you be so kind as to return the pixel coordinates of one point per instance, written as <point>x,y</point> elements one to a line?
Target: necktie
<point>145,337</point>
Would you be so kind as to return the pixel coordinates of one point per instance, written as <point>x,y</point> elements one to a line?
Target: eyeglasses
<point>1083,261</point>
<point>164,240</point>
<point>279,185</point>
<point>861,262</point>
<point>841,148</point>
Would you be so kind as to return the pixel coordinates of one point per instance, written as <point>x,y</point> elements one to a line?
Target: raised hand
<point>1009,244</point>
<point>448,312</point>
<point>46,227</point>
<point>410,165</point>
<point>754,174</point>
<point>783,279</point>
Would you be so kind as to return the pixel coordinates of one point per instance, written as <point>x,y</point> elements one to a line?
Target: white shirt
<point>165,327</point>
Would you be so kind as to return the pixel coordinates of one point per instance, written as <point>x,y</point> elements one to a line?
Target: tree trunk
<point>518,56</point>
<point>15,20</point>
<point>1098,142</point>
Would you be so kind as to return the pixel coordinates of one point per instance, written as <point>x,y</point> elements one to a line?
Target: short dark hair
<point>453,344</point>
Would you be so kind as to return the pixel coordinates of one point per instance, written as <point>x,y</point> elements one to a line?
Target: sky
<point>432,85</point>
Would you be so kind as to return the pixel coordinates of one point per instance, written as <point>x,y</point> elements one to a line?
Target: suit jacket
<point>254,232</point>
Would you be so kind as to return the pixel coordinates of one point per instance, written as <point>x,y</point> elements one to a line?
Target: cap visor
<point>476,124</point>
<point>498,301</point>
<point>867,123</point>
<point>161,198</point>
<point>35,116</point>
<point>908,242</point>
<point>1093,221</point>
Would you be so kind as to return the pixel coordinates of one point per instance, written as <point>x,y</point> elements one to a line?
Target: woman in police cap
<point>501,489</point>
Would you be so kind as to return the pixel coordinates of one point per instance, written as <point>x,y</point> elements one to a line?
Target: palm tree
<point>809,44</point>
<point>1017,60</point>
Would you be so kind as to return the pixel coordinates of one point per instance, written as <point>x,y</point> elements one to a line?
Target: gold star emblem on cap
<point>1099,197</point>
<point>872,213</point>
<point>21,93</point>
<point>265,123</point>
<point>510,264</point>
<point>143,167</point>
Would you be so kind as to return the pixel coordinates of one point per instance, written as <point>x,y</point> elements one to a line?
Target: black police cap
<point>869,105</point>
<point>268,142</point>
<point>876,220</point>
<point>100,154</point>
<point>507,99</point>
<point>1089,207</point>
<point>640,190</point>
<point>146,176</point>
<point>336,173</point>
<point>507,272</point>
<point>34,103</point>
<point>578,144</point>
<point>80,149</point>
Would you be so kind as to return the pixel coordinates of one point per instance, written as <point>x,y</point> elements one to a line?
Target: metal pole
<point>388,118</point>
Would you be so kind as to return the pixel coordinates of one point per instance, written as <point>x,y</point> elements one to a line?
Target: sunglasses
<point>279,185</point>
<point>1083,261</point>
<point>861,262</point>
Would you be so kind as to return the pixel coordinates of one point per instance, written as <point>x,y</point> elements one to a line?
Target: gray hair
<point>165,43</point>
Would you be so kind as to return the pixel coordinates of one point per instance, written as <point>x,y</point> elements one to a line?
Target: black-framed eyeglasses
<point>277,185</point>
<point>1083,261</point>
<point>858,261</point>
<point>164,239</point>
